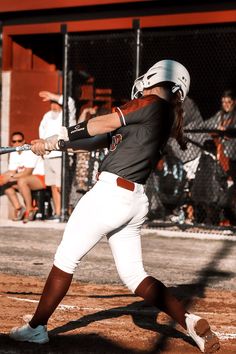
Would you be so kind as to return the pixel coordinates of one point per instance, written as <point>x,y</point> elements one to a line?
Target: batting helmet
<point>163,71</point>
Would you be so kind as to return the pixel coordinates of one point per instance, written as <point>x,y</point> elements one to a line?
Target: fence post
<point>65,122</point>
<point>136,28</point>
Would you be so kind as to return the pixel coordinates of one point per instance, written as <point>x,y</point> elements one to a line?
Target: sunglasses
<point>17,141</point>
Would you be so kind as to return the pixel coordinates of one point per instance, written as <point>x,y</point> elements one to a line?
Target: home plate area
<point>107,318</point>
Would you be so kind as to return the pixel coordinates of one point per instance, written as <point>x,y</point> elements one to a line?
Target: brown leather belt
<point>123,183</point>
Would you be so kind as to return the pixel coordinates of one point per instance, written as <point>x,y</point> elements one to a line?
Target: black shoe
<point>54,218</point>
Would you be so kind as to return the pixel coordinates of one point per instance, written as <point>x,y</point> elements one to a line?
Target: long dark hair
<point>230,94</point>
<point>177,129</point>
<point>176,103</point>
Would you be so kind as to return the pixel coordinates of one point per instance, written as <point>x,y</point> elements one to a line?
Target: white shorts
<point>111,211</point>
<point>53,171</point>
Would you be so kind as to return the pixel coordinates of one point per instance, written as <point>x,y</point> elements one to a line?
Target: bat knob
<point>61,144</point>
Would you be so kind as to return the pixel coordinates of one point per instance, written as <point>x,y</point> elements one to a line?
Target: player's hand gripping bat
<point>89,144</point>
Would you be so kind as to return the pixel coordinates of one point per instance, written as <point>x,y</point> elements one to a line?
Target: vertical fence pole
<point>65,122</point>
<point>136,28</point>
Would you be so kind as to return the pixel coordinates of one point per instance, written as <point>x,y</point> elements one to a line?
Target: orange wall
<point>16,5</point>
<point>109,24</point>
<point>180,19</point>
<point>33,74</point>
<point>29,75</point>
<point>26,107</point>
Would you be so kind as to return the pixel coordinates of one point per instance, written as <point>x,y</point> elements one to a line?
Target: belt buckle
<point>124,183</point>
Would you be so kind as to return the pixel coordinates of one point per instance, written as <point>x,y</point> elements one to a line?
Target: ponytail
<point>177,129</point>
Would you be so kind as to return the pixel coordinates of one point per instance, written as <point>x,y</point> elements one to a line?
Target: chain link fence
<point>100,73</point>
<point>193,188</point>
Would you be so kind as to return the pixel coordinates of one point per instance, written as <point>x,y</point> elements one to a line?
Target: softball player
<point>117,204</point>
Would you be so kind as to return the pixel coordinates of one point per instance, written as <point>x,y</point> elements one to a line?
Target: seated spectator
<point>25,173</point>
<point>225,120</point>
<point>25,185</point>
<point>181,165</point>
<point>209,191</point>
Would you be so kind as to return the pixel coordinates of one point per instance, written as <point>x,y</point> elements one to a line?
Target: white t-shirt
<point>26,159</point>
<point>52,122</point>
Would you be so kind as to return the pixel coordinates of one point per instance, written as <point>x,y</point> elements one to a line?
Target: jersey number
<point>116,139</point>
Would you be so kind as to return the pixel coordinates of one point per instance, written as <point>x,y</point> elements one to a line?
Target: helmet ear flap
<point>137,88</point>
<point>140,85</point>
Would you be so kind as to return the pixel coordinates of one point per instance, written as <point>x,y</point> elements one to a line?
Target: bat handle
<point>23,147</point>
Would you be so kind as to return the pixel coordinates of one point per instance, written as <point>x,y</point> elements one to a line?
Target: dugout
<point>113,41</point>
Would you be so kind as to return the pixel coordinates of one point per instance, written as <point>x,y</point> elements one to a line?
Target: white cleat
<point>200,331</point>
<point>28,334</point>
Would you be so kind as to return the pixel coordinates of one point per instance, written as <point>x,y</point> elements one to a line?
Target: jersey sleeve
<point>135,111</point>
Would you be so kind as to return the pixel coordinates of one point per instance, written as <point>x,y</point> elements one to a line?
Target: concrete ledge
<point>38,224</point>
<point>225,235</point>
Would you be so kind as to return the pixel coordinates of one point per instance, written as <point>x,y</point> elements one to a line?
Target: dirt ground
<point>99,315</point>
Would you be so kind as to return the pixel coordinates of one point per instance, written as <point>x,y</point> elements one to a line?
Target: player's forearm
<point>55,142</point>
<point>85,130</point>
<point>104,124</point>
<point>96,126</point>
<point>89,144</point>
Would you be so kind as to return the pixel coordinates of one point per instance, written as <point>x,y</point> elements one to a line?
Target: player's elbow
<point>104,124</point>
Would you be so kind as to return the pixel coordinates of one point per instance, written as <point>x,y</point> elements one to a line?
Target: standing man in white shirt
<point>50,125</point>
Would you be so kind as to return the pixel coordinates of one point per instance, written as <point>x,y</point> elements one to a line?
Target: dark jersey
<point>135,147</point>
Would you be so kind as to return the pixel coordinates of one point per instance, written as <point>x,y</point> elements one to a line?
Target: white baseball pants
<point>112,211</point>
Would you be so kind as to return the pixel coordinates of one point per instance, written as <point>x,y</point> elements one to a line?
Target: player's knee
<point>133,278</point>
<point>21,182</point>
<point>64,260</point>
<point>9,191</point>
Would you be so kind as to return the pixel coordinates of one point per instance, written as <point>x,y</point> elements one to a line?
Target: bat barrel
<point>8,149</point>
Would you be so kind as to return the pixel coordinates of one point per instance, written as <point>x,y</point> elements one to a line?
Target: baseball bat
<point>230,132</point>
<point>89,144</point>
<point>7,149</point>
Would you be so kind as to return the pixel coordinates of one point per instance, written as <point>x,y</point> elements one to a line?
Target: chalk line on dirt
<point>222,336</point>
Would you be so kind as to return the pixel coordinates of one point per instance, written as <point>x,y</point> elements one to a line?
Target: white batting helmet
<point>162,71</point>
